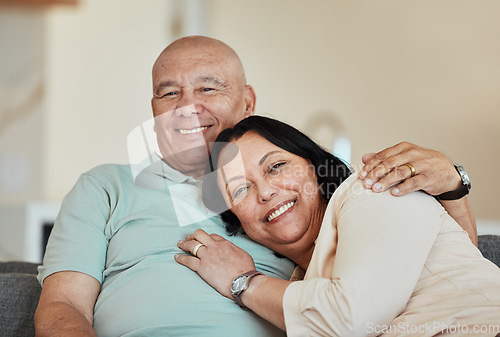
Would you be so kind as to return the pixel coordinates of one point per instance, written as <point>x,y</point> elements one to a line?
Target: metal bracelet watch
<point>240,284</point>
<point>462,191</point>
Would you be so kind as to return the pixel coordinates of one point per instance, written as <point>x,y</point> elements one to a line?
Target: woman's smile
<point>280,211</point>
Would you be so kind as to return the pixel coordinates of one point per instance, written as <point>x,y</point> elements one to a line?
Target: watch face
<point>238,284</point>
<point>463,175</point>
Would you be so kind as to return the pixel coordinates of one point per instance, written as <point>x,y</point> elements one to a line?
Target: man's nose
<point>186,110</point>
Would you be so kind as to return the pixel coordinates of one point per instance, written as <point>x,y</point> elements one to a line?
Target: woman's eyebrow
<point>234,178</point>
<point>263,159</point>
<point>242,177</point>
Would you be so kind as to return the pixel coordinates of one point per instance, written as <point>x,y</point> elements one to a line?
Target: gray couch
<point>19,293</point>
<point>20,290</point>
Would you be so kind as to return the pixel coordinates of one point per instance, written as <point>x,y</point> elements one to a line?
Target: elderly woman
<point>367,264</point>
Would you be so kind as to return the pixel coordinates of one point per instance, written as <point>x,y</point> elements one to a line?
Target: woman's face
<point>274,194</point>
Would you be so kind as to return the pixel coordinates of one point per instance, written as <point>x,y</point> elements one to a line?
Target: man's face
<point>198,92</point>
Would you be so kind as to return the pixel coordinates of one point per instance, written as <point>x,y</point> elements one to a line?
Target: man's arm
<point>66,306</point>
<point>435,174</point>
<point>461,211</point>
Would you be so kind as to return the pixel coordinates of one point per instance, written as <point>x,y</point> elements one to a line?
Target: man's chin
<point>188,160</point>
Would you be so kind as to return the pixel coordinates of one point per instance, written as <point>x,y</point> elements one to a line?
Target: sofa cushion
<point>19,294</point>
<point>19,267</point>
<point>489,245</point>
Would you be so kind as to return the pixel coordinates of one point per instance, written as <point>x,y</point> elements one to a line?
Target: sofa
<point>20,290</point>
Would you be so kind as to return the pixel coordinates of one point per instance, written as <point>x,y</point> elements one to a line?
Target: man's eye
<point>207,89</point>
<point>168,94</point>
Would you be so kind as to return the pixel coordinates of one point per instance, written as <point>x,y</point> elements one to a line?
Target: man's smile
<point>191,131</point>
<point>198,129</point>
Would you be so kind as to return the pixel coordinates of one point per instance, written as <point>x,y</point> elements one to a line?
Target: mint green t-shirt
<point>124,232</point>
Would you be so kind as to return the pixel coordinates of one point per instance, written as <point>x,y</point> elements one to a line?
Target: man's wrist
<point>462,190</point>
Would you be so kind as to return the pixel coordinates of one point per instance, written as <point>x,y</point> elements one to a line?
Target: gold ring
<point>195,250</point>
<point>412,169</point>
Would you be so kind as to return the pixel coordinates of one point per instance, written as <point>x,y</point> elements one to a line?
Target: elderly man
<point>109,267</point>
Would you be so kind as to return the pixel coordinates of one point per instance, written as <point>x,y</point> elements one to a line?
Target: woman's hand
<point>217,261</point>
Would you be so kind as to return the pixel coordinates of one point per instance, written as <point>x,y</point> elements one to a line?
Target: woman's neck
<point>303,256</point>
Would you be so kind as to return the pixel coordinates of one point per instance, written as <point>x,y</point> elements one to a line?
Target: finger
<point>367,156</point>
<point>189,261</point>
<point>201,236</point>
<point>217,237</point>
<point>409,185</point>
<point>387,166</point>
<point>190,245</point>
<point>393,178</point>
<point>381,156</point>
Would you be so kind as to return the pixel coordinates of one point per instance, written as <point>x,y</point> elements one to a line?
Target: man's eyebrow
<point>162,85</point>
<point>261,161</point>
<point>214,80</point>
<point>203,78</point>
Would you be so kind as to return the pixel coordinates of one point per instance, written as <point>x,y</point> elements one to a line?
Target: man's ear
<point>250,99</point>
<point>153,105</point>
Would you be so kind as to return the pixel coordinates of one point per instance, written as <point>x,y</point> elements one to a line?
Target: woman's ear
<point>250,99</point>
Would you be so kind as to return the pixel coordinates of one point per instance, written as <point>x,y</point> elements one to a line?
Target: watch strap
<point>461,192</point>
<point>248,276</point>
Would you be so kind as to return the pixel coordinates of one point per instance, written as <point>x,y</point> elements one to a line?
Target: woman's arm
<point>383,243</point>
<point>264,296</point>
<point>219,262</point>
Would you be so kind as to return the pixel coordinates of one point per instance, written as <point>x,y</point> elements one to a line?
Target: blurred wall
<point>21,104</point>
<point>422,71</point>
<point>74,81</point>
<point>427,72</point>
<point>99,60</point>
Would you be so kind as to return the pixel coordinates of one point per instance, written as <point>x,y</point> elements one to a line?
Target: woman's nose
<point>267,191</point>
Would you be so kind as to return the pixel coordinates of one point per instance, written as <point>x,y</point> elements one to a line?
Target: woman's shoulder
<point>353,192</point>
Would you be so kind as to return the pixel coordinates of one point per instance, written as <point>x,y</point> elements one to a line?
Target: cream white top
<point>394,266</point>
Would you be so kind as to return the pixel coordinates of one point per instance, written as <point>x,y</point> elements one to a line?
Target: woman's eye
<point>276,167</point>
<point>239,192</point>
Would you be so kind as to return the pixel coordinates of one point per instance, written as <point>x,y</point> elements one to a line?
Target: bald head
<point>203,48</point>
<point>199,89</point>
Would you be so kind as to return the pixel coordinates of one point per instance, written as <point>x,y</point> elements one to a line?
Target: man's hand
<point>434,172</point>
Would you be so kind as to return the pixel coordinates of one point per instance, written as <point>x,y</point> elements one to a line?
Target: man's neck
<point>193,170</point>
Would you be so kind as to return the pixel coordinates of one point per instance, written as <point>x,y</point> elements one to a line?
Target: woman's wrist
<point>247,296</point>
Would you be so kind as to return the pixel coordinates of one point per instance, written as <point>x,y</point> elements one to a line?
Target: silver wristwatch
<point>240,284</point>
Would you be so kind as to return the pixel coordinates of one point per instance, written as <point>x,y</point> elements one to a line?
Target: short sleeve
<point>78,241</point>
